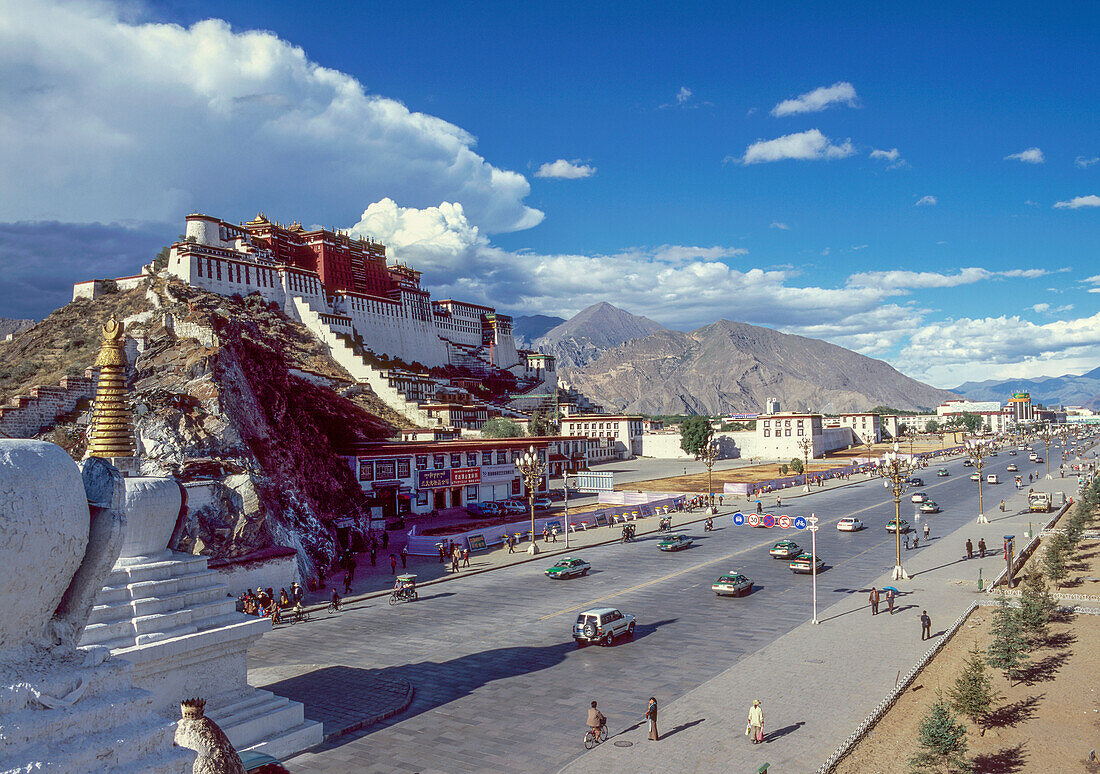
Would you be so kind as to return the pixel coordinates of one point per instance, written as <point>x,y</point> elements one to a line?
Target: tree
<point>971,421</point>
<point>933,426</point>
<point>1037,607</point>
<point>1008,650</point>
<point>695,434</point>
<point>542,423</point>
<point>782,470</point>
<point>1054,559</point>
<point>1075,526</point>
<point>973,694</point>
<point>796,465</point>
<point>501,427</point>
<point>942,740</point>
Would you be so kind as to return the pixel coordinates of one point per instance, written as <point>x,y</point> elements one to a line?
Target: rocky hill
<point>1066,390</point>
<point>591,332</point>
<point>13,326</point>
<point>527,328</point>
<point>729,366</point>
<point>230,392</point>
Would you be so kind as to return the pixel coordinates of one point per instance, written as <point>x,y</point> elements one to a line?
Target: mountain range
<point>1066,390</point>
<point>13,326</point>
<point>527,328</point>
<point>631,363</point>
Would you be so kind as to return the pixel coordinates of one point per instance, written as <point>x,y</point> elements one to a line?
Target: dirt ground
<point>1084,568</point>
<point>1047,723</point>
<point>697,482</point>
<point>919,446</point>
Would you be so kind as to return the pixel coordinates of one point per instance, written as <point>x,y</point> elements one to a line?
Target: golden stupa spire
<point>112,430</point>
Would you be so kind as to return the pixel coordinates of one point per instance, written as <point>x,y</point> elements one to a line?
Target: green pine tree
<point>1008,650</point>
<point>942,741</point>
<point>1054,559</point>
<point>973,693</point>
<point>1037,607</point>
<point>1075,526</point>
<point>695,434</point>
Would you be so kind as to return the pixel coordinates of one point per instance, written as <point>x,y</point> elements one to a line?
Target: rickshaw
<point>404,589</point>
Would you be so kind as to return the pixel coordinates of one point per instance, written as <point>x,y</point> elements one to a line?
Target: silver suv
<point>601,624</point>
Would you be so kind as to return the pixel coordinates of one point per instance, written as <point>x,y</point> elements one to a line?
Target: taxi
<point>942,472</point>
<point>569,567</point>
<point>785,549</point>
<point>732,584</point>
<point>849,524</point>
<point>929,506</point>
<point>1012,468</point>
<point>919,497</point>
<point>893,526</point>
<point>675,543</point>
<point>806,562</point>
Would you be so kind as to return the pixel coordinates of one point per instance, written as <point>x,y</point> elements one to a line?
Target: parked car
<point>601,624</point>
<point>805,562</point>
<point>732,584</point>
<point>675,543</point>
<point>785,549</point>
<point>893,526</point>
<point>968,463</point>
<point>542,501</point>
<point>849,524</point>
<point>477,509</point>
<point>569,567</point>
<point>513,507</point>
<point>1012,468</point>
<point>929,506</point>
<point>942,472</point>
<point>919,497</point>
<point>992,479</point>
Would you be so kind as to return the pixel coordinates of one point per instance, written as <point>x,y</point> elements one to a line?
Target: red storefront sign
<point>464,476</point>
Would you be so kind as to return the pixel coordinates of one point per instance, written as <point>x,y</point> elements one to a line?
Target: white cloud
<point>860,247</point>
<point>780,225</point>
<point>891,155</point>
<point>902,280</point>
<point>810,145</point>
<point>819,99</point>
<point>1029,156</point>
<point>927,201</point>
<point>683,95</point>
<point>1063,308</point>
<point>1077,202</point>
<point>153,120</point>
<point>1040,308</point>
<point>567,170</point>
<point>1084,162</point>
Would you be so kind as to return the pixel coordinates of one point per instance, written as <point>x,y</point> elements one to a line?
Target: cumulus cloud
<point>1040,308</point>
<point>1084,162</point>
<point>113,116</point>
<point>780,225</point>
<point>810,145</point>
<point>891,155</point>
<point>903,280</point>
<point>1029,156</point>
<point>840,93</point>
<point>683,95</point>
<point>927,201</point>
<point>1077,202</point>
<point>566,170</point>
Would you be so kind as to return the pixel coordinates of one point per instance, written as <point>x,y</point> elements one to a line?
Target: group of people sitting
<point>263,602</point>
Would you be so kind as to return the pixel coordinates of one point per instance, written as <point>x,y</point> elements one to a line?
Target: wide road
<point>500,685</point>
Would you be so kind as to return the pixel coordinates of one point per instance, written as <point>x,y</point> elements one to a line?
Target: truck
<point>1039,502</point>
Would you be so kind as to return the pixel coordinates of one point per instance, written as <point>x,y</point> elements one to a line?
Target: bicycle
<point>593,738</point>
<point>299,615</point>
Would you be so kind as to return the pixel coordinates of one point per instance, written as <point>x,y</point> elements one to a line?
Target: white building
<point>623,433</point>
<point>778,435</point>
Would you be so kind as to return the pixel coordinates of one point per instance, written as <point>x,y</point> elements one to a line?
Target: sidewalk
<point>818,682</point>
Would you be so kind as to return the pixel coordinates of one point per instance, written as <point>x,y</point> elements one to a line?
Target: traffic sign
<point>800,522</point>
<point>784,522</point>
<point>754,520</point>
<point>769,520</point>
<point>738,518</point>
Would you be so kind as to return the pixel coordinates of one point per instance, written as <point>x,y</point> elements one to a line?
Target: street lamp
<point>896,472</point>
<point>977,450</point>
<point>531,468</point>
<point>806,445</point>
<point>707,455</point>
<point>1045,435</point>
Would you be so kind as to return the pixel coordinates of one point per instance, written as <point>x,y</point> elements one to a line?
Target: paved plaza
<point>500,686</point>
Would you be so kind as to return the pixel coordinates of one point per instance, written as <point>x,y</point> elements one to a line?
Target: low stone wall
<point>276,570</point>
<point>40,409</point>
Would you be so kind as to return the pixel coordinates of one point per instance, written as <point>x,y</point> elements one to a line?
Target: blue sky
<point>703,163</point>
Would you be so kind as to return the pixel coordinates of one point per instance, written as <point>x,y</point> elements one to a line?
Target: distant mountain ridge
<point>591,332</point>
<point>527,328</point>
<point>721,367</point>
<point>13,326</point>
<point>1068,389</point>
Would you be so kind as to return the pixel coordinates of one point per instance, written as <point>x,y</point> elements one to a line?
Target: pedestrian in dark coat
<point>404,557</point>
<point>442,555</point>
<point>969,549</point>
<point>651,716</point>
<point>925,625</point>
<point>510,541</point>
<point>981,547</point>
<point>347,583</point>
<point>890,600</point>
<point>465,557</point>
<point>454,562</point>
<point>373,556</point>
<point>393,564</point>
<point>873,599</point>
<point>385,540</point>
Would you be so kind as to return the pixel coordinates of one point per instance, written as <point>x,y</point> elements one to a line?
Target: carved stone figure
<point>201,734</point>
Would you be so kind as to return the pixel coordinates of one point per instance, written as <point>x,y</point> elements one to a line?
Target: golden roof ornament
<point>112,429</point>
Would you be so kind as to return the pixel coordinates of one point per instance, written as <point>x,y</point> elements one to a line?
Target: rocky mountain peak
<point>592,331</point>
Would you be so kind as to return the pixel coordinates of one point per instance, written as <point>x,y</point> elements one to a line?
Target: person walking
<point>296,592</point>
<point>393,565</point>
<point>926,531</point>
<point>347,583</point>
<point>596,721</point>
<point>906,542</point>
<point>454,562</point>
<point>373,555</point>
<point>755,728</point>
<point>759,507</point>
<point>925,625</point>
<point>465,557</point>
<point>873,599</point>
<point>890,600</point>
<point>335,600</point>
<point>404,557</point>
<point>969,549</point>
<point>651,716</point>
<point>442,557</point>
<point>511,541</point>
<point>981,547</point>
<point>778,502</point>
<point>720,500</point>
<point>385,540</point>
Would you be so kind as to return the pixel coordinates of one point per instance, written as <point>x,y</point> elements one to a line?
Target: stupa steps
<point>178,565</point>
<point>110,751</point>
<point>105,678</point>
<point>162,600</point>
<point>123,632</point>
<point>250,725</point>
<point>98,711</point>
<point>290,741</point>
<point>153,587</point>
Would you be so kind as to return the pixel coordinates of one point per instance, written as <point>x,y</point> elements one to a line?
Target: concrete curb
<point>377,718</point>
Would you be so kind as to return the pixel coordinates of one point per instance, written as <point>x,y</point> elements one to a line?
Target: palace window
<point>403,468</point>
<point>422,462</point>
<point>471,493</point>
<point>366,470</point>
<point>456,460</point>
<point>471,459</point>
<point>440,461</point>
<point>502,457</point>
<point>486,458</point>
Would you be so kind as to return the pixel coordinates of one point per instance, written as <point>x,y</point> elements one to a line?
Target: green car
<point>785,549</point>
<point>732,584</point>
<point>568,568</point>
<point>929,506</point>
<point>893,526</point>
<point>675,543</point>
<point>942,472</point>
<point>804,563</point>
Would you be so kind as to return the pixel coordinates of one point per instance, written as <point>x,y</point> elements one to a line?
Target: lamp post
<point>707,455</point>
<point>869,443</point>
<point>1045,435</point>
<point>977,450</point>
<point>806,445</point>
<point>896,472</point>
<point>530,469</point>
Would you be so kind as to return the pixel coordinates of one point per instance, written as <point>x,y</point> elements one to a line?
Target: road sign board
<point>769,520</point>
<point>738,518</point>
<point>800,522</point>
<point>784,522</point>
<point>754,520</point>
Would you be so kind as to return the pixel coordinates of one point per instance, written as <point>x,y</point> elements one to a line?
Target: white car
<point>919,497</point>
<point>543,501</point>
<point>601,624</point>
<point>992,479</point>
<point>849,524</point>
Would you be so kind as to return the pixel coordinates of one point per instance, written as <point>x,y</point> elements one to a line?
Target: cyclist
<point>335,603</point>
<point>596,721</point>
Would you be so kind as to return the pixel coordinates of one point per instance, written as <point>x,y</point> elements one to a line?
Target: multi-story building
<point>624,433</point>
<point>865,427</point>
<point>1019,408</point>
<point>778,435</point>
